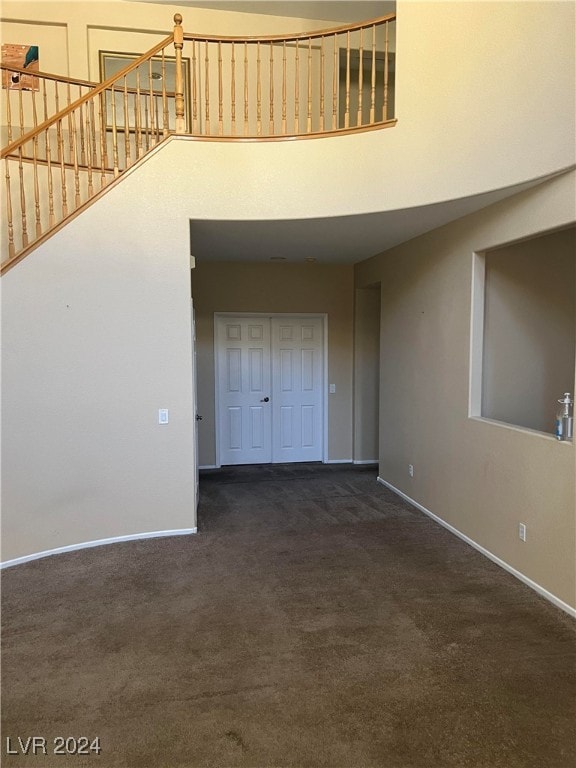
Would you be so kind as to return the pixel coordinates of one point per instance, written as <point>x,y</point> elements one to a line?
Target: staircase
<point>65,162</point>
<point>69,140</point>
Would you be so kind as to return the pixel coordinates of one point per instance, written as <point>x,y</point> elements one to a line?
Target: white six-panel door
<point>243,354</point>
<point>269,389</point>
<point>297,363</point>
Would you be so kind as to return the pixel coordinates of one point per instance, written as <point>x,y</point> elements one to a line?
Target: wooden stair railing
<point>32,96</point>
<point>229,88</point>
<point>56,169</point>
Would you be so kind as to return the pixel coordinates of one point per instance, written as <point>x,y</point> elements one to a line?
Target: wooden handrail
<point>57,168</point>
<point>49,76</point>
<point>103,86</point>
<point>288,38</point>
<point>44,162</point>
<point>70,80</point>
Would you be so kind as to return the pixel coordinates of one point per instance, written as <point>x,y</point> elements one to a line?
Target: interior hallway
<point>315,620</point>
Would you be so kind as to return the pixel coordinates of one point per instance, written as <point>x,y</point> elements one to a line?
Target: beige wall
<point>480,477</point>
<point>96,332</point>
<point>366,373</point>
<point>529,329</point>
<point>279,288</point>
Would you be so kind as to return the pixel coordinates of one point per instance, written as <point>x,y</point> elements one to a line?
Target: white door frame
<point>324,317</point>
<point>195,412</point>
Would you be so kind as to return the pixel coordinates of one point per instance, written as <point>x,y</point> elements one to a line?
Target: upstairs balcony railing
<point>68,140</point>
<point>290,86</point>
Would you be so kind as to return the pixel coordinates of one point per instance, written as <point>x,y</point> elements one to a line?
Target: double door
<point>269,373</point>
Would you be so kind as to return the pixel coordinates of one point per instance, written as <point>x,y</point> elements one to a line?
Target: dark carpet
<point>315,620</point>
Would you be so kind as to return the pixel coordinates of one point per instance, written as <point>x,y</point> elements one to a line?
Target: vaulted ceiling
<point>330,10</point>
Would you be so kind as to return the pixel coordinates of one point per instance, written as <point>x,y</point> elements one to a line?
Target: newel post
<point>178,45</point>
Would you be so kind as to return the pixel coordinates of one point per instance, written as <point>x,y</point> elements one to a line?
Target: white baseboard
<point>328,461</point>
<point>366,461</point>
<point>97,543</point>
<point>495,559</point>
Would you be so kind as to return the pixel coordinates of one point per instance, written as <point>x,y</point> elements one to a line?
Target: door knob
<point>198,418</point>
<point>265,400</point>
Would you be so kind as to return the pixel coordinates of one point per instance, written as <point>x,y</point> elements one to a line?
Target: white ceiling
<point>330,10</point>
<point>337,240</point>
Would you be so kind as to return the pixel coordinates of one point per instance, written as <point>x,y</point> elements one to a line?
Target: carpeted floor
<point>316,620</point>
